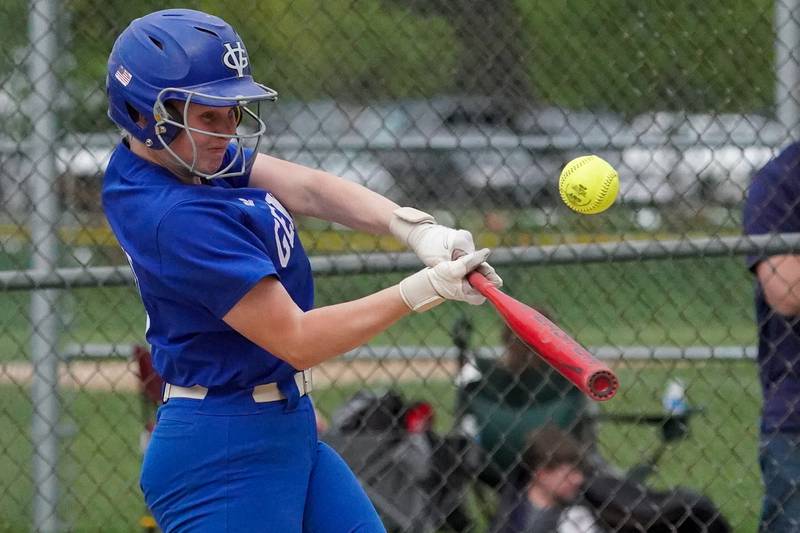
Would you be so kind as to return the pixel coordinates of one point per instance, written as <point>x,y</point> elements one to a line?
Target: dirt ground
<point>122,376</point>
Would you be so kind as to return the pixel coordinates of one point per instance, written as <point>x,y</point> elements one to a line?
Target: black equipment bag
<point>625,506</point>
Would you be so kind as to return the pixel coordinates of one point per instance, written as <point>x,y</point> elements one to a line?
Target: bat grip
<point>480,283</point>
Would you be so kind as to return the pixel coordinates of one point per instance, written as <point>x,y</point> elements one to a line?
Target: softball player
<point>206,223</point>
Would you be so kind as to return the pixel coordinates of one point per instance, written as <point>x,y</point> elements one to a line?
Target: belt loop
<point>288,388</point>
<point>165,393</point>
<point>308,381</point>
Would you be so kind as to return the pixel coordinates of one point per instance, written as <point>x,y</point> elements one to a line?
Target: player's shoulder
<point>188,209</point>
<point>184,205</point>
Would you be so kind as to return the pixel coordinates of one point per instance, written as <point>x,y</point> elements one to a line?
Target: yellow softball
<point>588,184</point>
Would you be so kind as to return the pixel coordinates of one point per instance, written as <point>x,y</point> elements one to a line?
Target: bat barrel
<point>552,344</point>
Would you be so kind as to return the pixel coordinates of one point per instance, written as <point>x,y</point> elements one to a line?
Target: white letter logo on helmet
<point>235,58</point>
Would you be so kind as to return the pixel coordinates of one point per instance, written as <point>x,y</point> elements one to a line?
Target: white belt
<point>268,392</point>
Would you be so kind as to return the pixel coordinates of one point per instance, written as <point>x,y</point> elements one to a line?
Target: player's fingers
<point>460,240</point>
<point>471,296</point>
<point>474,298</point>
<point>469,262</point>
<point>489,273</point>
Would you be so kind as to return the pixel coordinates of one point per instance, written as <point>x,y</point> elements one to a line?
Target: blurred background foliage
<point>660,56</point>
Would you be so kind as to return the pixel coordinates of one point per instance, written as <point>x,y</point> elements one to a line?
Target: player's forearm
<point>329,331</point>
<point>341,201</point>
<point>270,318</point>
<point>306,191</point>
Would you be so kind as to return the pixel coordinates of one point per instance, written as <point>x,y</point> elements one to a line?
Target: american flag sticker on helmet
<point>123,76</point>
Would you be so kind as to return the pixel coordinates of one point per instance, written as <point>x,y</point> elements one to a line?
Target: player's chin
<point>211,163</point>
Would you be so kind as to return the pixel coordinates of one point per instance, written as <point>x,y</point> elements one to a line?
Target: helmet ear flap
<point>173,112</point>
<point>162,113</point>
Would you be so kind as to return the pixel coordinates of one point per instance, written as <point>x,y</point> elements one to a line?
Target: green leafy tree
<point>624,55</point>
<point>495,51</point>
<point>634,56</point>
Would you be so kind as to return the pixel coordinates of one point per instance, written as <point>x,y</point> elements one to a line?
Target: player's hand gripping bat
<point>557,348</point>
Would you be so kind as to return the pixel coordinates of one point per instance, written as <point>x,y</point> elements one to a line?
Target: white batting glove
<point>434,243</point>
<point>446,281</point>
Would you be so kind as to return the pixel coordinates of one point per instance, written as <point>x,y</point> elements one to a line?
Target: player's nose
<point>227,127</point>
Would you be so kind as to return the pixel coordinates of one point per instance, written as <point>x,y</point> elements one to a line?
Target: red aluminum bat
<point>560,350</point>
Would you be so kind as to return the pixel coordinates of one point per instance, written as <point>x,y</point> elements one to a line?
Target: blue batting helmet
<point>178,55</point>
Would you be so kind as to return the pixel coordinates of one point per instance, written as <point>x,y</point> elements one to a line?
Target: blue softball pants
<point>228,464</point>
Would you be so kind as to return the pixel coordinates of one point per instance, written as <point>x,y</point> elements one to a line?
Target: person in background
<point>773,206</point>
<point>502,400</point>
<point>544,494</point>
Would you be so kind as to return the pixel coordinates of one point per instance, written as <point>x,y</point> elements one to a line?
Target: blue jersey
<point>195,251</point>
<point>773,206</point>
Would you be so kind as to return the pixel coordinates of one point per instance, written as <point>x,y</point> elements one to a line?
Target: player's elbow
<point>300,358</point>
<point>295,357</point>
<point>293,352</point>
<point>302,363</point>
<point>295,348</point>
<point>307,352</point>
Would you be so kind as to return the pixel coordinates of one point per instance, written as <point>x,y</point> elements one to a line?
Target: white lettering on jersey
<point>248,203</point>
<point>284,229</point>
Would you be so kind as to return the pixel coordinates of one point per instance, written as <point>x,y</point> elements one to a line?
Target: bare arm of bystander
<point>779,276</point>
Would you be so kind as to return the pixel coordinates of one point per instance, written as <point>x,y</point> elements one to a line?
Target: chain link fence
<point>469,110</point>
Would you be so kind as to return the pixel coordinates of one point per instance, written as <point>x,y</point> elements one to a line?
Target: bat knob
<point>603,385</point>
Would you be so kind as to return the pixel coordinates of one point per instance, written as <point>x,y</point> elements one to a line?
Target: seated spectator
<point>502,400</point>
<point>544,495</point>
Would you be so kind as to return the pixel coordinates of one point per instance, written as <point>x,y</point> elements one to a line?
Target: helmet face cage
<point>163,121</point>
<point>190,57</point>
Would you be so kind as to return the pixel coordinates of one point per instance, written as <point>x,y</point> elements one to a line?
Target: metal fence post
<point>43,223</point>
<point>787,66</point>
